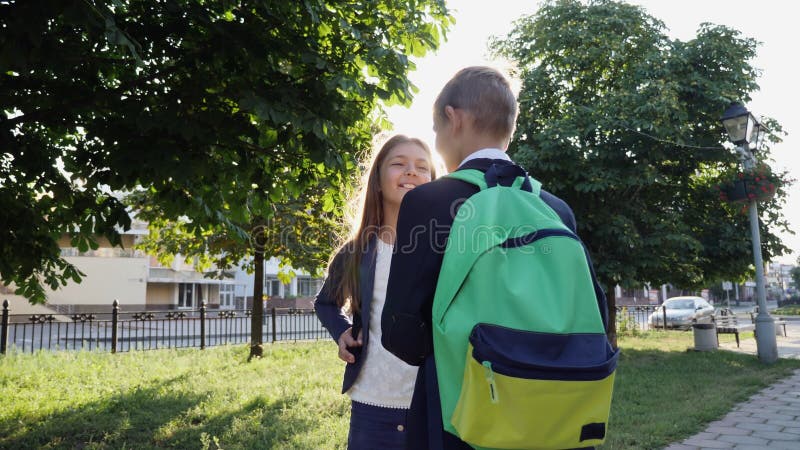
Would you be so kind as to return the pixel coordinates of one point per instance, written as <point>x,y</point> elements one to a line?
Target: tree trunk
<point>257,319</point>
<point>612,316</point>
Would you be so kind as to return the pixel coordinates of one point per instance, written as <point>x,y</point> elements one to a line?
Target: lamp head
<point>759,134</point>
<point>739,123</point>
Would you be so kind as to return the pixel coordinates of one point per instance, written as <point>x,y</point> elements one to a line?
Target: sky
<point>770,22</point>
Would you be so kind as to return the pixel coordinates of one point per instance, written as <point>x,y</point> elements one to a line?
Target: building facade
<point>299,293</point>
<point>139,282</point>
<point>136,280</point>
<point>780,284</point>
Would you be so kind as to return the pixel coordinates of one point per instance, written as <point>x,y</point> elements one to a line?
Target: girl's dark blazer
<point>332,316</point>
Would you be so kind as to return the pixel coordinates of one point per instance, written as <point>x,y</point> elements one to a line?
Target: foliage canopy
<point>622,122</point>
<point>216,113</point>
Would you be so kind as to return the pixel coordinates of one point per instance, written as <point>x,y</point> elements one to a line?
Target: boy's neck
<point>478,142</point>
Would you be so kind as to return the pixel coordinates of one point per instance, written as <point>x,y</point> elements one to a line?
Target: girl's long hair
<point>366,218</point>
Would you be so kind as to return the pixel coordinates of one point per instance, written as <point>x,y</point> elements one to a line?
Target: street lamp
<point>740,123</point>
<point>745,130</point>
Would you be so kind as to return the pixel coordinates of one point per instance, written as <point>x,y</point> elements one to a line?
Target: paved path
<point>770,419</point>
<point>788,346</point>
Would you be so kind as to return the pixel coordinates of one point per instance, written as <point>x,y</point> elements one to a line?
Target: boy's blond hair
<point>486,94</point>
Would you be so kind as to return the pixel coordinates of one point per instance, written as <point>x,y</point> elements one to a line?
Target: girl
<point>379,384</point>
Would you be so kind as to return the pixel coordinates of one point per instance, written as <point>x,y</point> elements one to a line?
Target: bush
<point>626,325</point>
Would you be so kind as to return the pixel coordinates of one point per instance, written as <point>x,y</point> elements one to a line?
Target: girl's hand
<point>346,340</point>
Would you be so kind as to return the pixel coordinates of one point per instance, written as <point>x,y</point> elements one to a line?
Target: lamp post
<point>746,133</point>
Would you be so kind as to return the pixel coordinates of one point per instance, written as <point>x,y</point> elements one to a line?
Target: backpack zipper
<point>530,238</point>
<point>490,379</point>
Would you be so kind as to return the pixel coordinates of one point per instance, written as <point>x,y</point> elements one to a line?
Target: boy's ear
<point>454,116</point>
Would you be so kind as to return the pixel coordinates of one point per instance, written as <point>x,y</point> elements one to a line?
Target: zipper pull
<point>490,379</point>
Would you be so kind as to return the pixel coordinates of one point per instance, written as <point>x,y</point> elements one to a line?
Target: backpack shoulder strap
<point>472,176</point>
<point>482,180</point>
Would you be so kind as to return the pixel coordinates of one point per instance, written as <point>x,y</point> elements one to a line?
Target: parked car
<point>682,312</point>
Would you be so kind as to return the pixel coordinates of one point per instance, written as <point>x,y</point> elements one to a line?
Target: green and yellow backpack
<point>521,352</point>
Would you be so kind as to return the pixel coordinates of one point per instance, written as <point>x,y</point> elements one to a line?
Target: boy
<point>474,118</point>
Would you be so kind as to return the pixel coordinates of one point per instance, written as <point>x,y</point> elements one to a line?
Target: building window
<point>70,251</point>
<point>186,295</point>
<point>308,287</point>
<point>104,252</point>
<point>272,286</point>
<point>226,295</point>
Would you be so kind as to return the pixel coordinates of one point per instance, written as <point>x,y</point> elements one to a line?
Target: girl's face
<point>406,166</point>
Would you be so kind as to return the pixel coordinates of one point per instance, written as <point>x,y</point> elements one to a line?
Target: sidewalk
<point>788,346</point>
<point>770,419</point>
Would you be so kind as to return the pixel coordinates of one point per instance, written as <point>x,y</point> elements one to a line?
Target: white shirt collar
<point>486,153</point>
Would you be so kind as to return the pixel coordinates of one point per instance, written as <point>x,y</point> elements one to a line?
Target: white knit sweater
<point>384,380</point>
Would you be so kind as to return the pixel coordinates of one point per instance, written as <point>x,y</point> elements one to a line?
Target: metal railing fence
<point>635,318</point>
<point>122,331</point>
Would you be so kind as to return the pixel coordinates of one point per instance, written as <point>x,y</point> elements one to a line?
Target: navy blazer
<point>426,215</point>
<point>332,316</point>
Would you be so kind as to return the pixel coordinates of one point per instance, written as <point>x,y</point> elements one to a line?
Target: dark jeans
<point>374,427</point>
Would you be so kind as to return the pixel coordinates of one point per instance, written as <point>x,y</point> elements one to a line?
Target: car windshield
<point>680,304</point>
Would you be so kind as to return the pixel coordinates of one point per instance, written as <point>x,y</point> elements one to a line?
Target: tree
<point>193,103</point>
<point>300,231</point>
<point>796,275</point>
<point>623,124</point>
<point>212,111</point>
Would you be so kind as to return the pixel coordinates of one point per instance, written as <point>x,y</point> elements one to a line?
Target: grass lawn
<point>187,398</point>
<point>290,399</point>
<point>788,310</point>
<point>664,393</point>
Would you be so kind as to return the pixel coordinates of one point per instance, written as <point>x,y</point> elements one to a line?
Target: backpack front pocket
<point>529,390</point>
